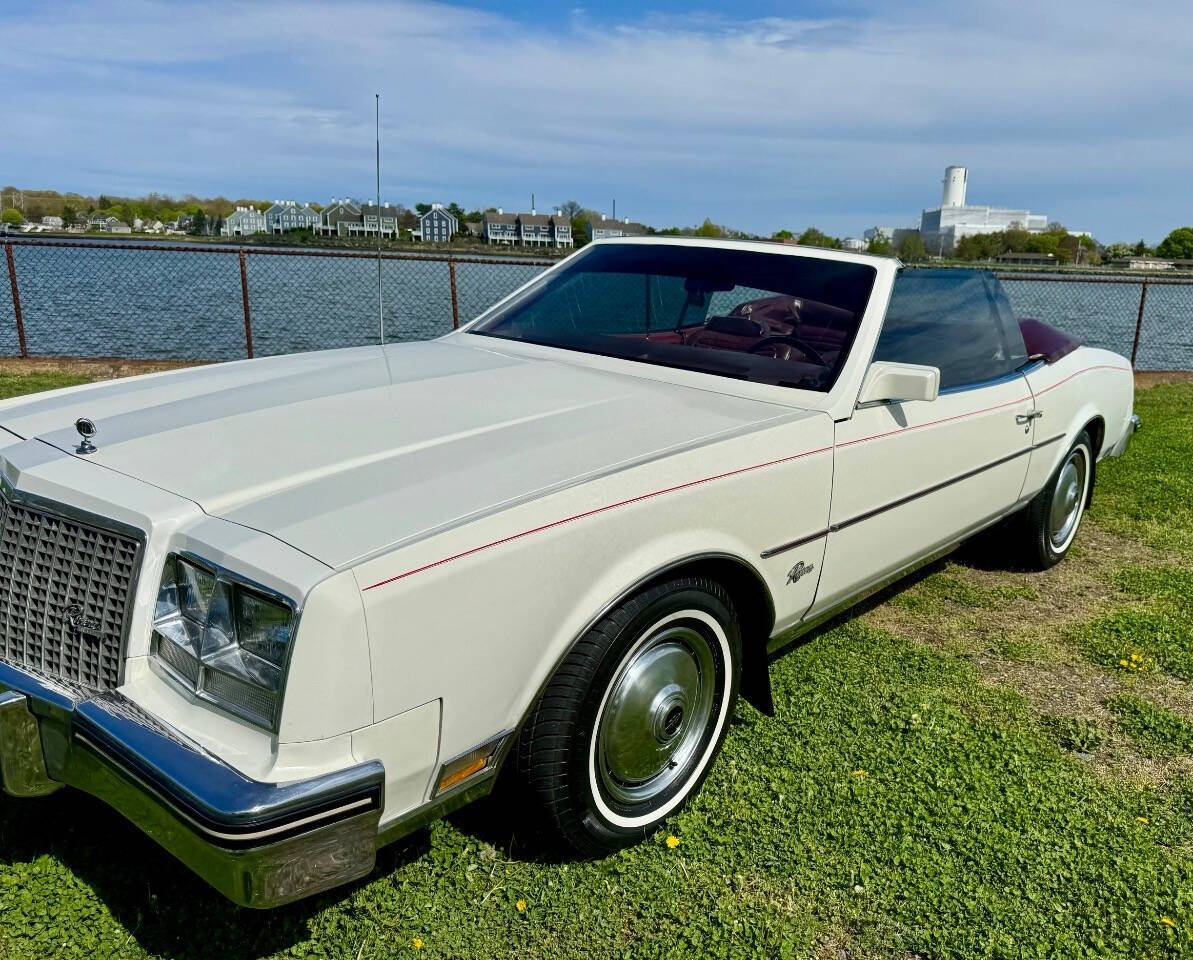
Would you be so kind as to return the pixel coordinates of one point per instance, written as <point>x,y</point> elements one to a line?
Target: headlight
<point>223,638</point>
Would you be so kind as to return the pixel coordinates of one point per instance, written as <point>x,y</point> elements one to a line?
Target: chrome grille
<point>65,588</point>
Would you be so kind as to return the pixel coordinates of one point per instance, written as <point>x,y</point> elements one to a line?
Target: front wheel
<point>626,730</point>
<point>1048,524</point>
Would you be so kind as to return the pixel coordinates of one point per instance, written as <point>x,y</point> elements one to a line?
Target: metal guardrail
<point>193,301</point>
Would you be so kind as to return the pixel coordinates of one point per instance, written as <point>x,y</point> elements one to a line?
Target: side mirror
<point>897,382</point>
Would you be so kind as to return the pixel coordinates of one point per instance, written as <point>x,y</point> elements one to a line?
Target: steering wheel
<point>807,350</point>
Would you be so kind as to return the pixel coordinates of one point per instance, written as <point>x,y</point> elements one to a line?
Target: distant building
<point>339,217</point>
<point>107,224</point>
<point>154,226</point>
<point>286,215</point>
<point>52,223</point>
<point>604,228</point>
<point>853,243</point>
<point>437,225</point>
<point>1143,263</point>
<point>534,229</point>
<point>954,219</point>
<point>475,228</point>
<point>561,230</point>
<point>1027,259</point>
<point>887,233</point>
<point>244,222</point>
<point>375,218</point>
<point>500,227</point>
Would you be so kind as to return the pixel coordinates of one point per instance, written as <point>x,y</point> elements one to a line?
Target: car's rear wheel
<point>626,729</point>
<point>1048,524</point>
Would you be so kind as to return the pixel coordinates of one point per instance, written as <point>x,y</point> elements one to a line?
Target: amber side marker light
<point>468,765</point>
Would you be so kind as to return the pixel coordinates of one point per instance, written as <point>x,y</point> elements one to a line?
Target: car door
<point>913,477</point>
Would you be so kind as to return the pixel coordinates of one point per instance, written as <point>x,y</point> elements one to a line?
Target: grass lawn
<point>979,764</point>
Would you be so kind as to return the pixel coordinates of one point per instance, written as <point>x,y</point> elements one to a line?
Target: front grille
<point>64,594</point>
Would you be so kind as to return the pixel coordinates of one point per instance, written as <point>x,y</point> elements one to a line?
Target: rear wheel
<point>626,730</point>
<point>1049,523</point>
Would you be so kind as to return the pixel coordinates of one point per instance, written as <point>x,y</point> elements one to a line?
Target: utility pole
<point>380,302</point>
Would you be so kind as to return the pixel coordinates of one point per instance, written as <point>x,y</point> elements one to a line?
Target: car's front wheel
<point>1048,524</point>
<point>627,727</point>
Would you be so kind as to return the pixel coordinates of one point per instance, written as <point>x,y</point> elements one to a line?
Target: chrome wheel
<point>1068,498</point>
<point>656,716</point>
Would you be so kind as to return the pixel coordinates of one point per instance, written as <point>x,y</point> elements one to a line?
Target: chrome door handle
<point>1024,418</point>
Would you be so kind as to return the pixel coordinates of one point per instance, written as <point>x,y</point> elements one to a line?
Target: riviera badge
<point>801,569</point>
<point>87,429</point>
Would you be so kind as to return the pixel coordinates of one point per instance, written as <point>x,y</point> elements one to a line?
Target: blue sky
<point>759,114</point>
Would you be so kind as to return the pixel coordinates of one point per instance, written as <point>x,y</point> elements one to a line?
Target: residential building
<point>534,229</point>
<point>500,227</point>
<point>52,223</point>
<point>561,230</point>
<point>475,228</point>
<point>1143,263</point>
<point>286,215</point>
<point>374,218</point>
<point>605,228</point>
<point>243,222</point>
<point>107,224</point>
<point>154,226</point>
<point>338,217</point>
<point>437,225</point>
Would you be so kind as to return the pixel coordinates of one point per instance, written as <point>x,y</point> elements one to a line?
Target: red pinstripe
<point>720,476</point>
<point>594,512</point>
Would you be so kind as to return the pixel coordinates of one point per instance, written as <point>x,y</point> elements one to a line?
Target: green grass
<point>905,800</point>
<point>16,384</point>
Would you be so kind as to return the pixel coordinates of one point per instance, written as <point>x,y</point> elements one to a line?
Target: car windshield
<point>776,318</point>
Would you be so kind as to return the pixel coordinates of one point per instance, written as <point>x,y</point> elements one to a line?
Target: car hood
<point>346,452</point>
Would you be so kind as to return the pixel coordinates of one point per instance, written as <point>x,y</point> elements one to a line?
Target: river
<point>112,301</point>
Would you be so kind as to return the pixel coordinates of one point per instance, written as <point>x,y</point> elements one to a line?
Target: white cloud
<point>1078,110</point>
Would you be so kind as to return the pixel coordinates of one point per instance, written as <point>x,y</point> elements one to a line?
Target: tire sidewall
<point>597,813</point>
<point>1049,554</point>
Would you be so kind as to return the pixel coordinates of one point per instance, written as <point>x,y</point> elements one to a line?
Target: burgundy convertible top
<point>1046,342</point>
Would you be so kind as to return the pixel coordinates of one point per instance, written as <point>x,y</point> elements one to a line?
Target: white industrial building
<point>943,226</point>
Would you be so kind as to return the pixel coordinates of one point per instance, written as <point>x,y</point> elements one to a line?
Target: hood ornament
<point>87,429</point>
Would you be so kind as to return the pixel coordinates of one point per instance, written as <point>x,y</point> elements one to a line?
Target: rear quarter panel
<point>481,614</point>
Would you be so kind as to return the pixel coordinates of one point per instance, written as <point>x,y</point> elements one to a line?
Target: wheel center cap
<point>667,713</point>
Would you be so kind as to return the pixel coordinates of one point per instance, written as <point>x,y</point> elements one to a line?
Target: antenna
<point>380,302</point>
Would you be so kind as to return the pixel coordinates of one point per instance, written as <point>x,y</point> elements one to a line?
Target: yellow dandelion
<point>1141,819</point>
<point>1134,656</point>
<point>520,906</point>
<point>860,773</point>
<point>1168,922</point>
<point>417,943</point>
<point>1123,663</point>
<point>672,841</point>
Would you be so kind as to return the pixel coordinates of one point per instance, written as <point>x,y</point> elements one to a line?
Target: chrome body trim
<point>833,528</point>
<point>260,844</point>
<point>15,495</point>
<point>1026,368</point>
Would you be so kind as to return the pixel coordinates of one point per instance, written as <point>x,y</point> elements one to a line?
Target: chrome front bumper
<point>1133,425</point>
<point>260,844</point>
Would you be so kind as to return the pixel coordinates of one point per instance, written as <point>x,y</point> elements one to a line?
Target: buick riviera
<point>283,611</point>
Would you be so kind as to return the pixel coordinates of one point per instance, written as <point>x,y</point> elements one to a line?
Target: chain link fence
<point>194,302</point>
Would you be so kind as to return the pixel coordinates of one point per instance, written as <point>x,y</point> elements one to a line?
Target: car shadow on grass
<point>161,904</point>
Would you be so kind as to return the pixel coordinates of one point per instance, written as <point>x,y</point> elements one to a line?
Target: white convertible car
<point>282,611</point>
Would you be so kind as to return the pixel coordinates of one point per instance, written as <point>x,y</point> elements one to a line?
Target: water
<point>112,301</point>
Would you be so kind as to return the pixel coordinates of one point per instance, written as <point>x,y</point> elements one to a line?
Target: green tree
<point>879,244</point>
<point>11,216</point>
<point>422,208</point>
<point>1141,249</point>
<point>199,223</point>
<point>69,214</point>
<point>1178,245</point>
<point>816,238</point>
<point>709,229</point>
<point>911,246</point>
<point>571,209</point>
<point>782,235</point>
